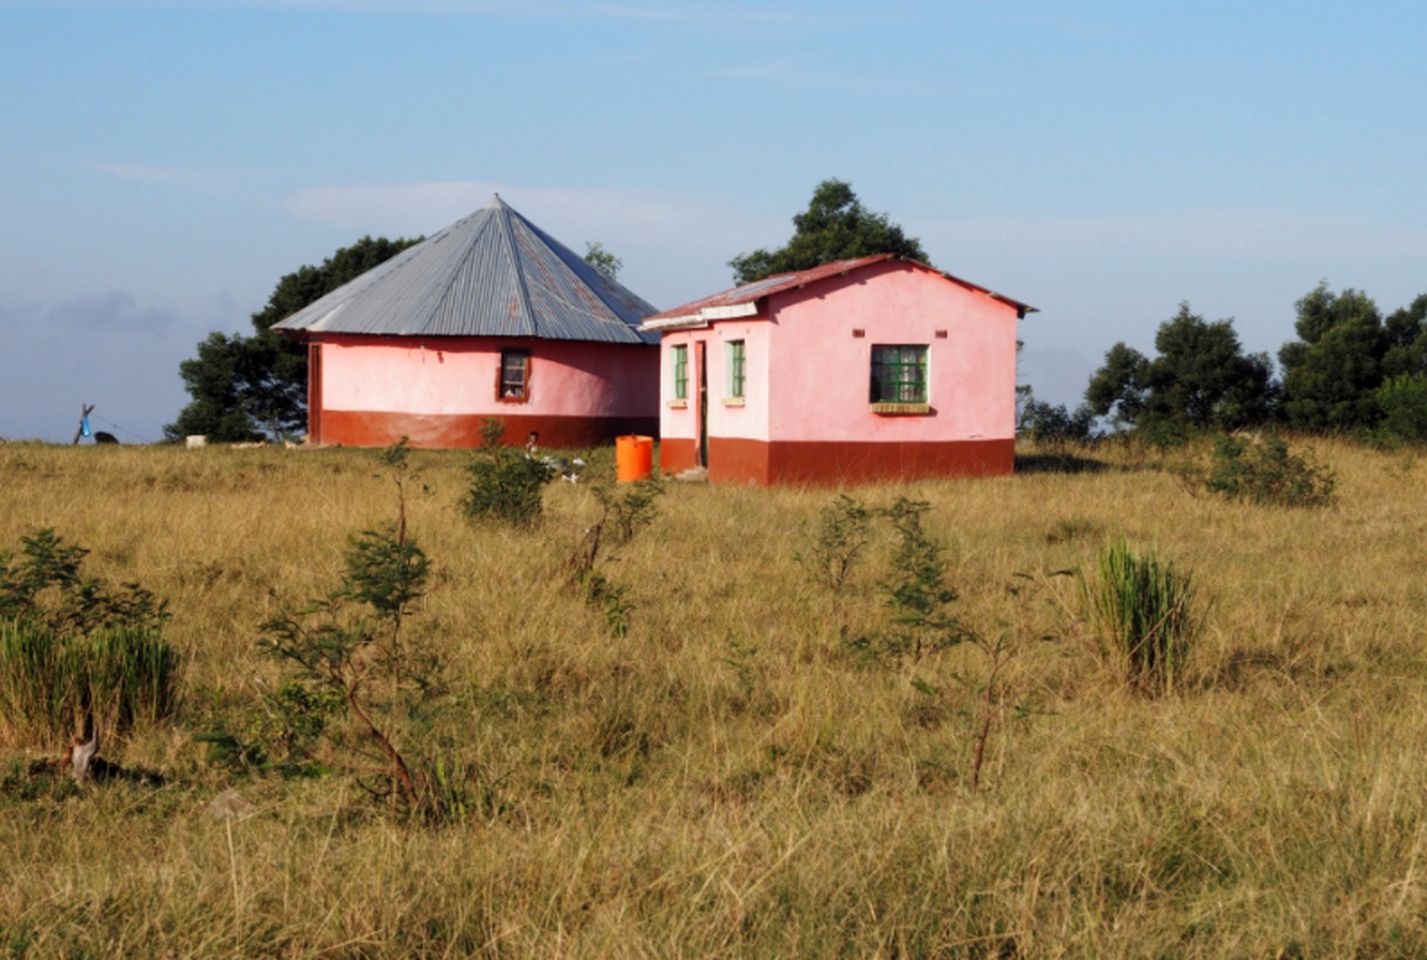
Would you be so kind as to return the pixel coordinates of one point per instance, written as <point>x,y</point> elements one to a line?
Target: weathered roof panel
<point>493,273</point>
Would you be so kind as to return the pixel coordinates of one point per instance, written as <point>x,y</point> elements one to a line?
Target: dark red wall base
<point>677,455</point>
<point>357,428</point>
<point>819,463</point>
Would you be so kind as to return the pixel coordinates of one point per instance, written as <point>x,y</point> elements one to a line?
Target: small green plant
<point>280,736</point>
<point>351,648</point>
<point>991,697</point>
<point>610,599</point>
<point>620,518</point>
<point>1144,612</point>
<point>506,484</point>
<point>636,509</point>
<point>73,652</point>
<point>917,591</point>
<point>1264,471</point>
<point>836,542</point>
<point>45,584</point>
<point>740,658</point>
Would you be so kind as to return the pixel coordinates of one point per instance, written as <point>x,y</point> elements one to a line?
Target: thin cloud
<point>112,313</point>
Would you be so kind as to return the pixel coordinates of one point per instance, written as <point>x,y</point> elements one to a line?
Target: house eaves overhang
<point>702,318</point>
<point>747,300</point>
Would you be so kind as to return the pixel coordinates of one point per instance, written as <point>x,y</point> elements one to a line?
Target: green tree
<point>1332,372</point>
<point>244,387</point>
<point>1403,402</point>
<point>834,227</point>
<point>1118,389</point>
<point>604,262</point>
<point>1406,348</point>
<point>1200,379</point>
<point>1402,398</point>
<point>1056,424</point>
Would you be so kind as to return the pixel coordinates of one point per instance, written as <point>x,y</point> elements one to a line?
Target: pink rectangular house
<point>873,369</point>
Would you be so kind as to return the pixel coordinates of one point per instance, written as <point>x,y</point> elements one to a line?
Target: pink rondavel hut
<point>878,368</point>
<point>491,317</point>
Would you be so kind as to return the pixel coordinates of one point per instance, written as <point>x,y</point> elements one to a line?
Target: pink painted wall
<point>457,375</point>
<point>820,390</point>
<point>677,418</point>
<point>808,377</point>
<point>749,421</point>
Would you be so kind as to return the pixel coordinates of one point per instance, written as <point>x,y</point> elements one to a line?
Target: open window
<point>514,383</point>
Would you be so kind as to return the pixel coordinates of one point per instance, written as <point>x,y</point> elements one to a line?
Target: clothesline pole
<point>86,409</point>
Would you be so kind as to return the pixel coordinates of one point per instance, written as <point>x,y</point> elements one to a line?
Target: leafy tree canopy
<point>1332,372</point>
<point>834,227</point>
<point>247,387</point>
<point>604,262</point>
<point>1406,333</point>
<point>1201,378</point>
<point>1402,397</point>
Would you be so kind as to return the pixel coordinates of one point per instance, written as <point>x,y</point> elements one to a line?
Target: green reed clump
<point>1143,610</point>
<point>125,676</point>
<point>72,647</point>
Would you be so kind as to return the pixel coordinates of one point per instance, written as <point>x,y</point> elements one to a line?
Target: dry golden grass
<point>728,779</point>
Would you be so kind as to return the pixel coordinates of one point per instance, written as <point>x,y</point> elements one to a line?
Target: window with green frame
<point>899,373</point>
<point>681,372</point>
<point>733,353</point>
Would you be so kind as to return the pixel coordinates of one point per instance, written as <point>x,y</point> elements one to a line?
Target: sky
<point>163,164</point>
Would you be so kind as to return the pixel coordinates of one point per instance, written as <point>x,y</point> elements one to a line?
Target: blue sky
<point>163,164</point>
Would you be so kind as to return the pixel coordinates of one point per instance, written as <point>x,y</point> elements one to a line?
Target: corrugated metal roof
<point>493,273</point>
<point>722,304</point>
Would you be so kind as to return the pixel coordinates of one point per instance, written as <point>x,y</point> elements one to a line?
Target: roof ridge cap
<point>867,258</point>
<point>504,212</point>
<point>494,210</point>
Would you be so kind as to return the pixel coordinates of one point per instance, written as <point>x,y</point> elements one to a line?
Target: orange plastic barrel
<point>633,458</point>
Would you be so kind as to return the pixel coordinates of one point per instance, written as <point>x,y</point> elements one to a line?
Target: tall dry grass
<point>729,778</point>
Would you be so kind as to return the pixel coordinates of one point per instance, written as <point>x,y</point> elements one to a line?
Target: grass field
<point>730,778</point>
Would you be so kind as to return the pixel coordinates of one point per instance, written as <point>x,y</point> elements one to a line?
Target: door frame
<point>701,395</point>
<point>314,392</point>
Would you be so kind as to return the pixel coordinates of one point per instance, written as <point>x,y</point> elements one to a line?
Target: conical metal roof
<point>491,274</point>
